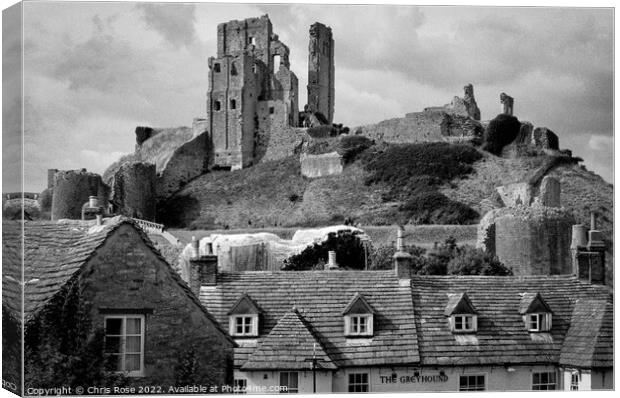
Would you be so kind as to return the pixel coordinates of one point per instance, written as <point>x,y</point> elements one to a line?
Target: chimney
<point>402,259</point>
<point>595,237</point>
<point>99,219</point>
<point>93,202</point>
<point>331,262</point>
<point>195,247</point>
<point>202,272</point>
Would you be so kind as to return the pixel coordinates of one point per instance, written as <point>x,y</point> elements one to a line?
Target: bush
<point>350,253</point>
<point>433,207</point>
<point>500,132</point>
<point>473,261</point>
<point>352,146</point>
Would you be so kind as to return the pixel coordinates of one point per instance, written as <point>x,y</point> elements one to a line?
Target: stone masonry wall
<point>321,71</point>
<point>72,189</point>
<point>134,190</point>
<point>126,275</point>
<point>327,164</point>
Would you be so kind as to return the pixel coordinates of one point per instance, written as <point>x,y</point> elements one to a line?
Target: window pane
<point>132,362</point>
<point>134,325</point>
<point>112,344</point>
<point>284,379</point>
<point>133,344</point>
<point>293,382</point>
<point>458,322</point>
<point>113,326</point>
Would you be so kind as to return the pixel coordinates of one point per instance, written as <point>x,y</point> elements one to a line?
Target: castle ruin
<point>321,70</point>
<point>251,89</point>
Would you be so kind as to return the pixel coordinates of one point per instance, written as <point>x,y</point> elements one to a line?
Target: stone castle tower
<point>251,88</point>
<point>321,71</point>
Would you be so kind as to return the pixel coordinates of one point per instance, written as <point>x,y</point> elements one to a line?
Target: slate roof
<point>54,252</point>
<point>289,345</point>
<point>321,297</point>
<point>502,337</point>
<point>590,338</point>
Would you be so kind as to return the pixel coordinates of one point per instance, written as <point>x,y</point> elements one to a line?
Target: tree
<point>350,253</point>
<point>473,261</point>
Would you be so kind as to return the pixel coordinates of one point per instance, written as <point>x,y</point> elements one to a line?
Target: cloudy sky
<point>94,71</point>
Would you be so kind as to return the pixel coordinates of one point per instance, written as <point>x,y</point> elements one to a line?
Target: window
<point>290,380</point>
<point>359,325</point>
<point>243,325</point>
<point>276,62</point>
<point>240,386</point>
<point>233,69</point>
<point>252,40</point>
<point>538,322</point>
<point>254,68</point>
<point>358,382</point>
<point>233,104</point>
<point>543,381</point>
<point>216,68</point>
<point>472,383</point>
<point>574,381</point>
<point>271,110</point>
<point>464,323</point>
<point>124,343</point>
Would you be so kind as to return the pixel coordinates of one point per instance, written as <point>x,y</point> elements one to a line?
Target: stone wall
<point>535,240</point>
<point>125,273</point>
<point>428,126</point>
<point>274,144</point>
<point>134,190</point>
<point>321,71</point>
<point>72,189</point>
<point>328,164</point>
<point>516,194</point>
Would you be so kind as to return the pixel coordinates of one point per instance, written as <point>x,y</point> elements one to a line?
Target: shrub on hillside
<point>353,145</point>
<point>500,132</point>
<point>433,207</point>
<point>349,250</point>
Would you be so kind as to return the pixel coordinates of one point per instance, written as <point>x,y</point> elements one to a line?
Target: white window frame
<point>353,325</point>
<point>575,380</point>
<point>473,323</point>
<point>253,330</point>
<point>473,387</point>
<point>364,386</point>
<point>537,386</point>
<point>240,386</point>
<point>123,337</point>
<point>541,319</point>
<point>288,389</point>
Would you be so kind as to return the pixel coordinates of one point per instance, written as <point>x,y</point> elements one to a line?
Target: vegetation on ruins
<point>350,253</point>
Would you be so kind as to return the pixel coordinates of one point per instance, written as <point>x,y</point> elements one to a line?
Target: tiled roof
<point>54,252</point>
<point>320,297</point>
<point>501,337</point>
<point>589,340</point>
<point>290,345</point>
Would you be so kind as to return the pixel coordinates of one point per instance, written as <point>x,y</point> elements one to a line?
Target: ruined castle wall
<point>234,37</point>
<point>72,189</point>
<point>321,71</point>
<point>313,166</point>
<point>535,241</point>
<point>188,161</point>
<point>134,190</point>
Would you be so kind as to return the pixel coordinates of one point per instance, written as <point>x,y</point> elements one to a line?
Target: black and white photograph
<point>307,198</point>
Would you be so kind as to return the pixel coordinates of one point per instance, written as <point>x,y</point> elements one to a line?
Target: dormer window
<point>358,317</point>
<point>463,317</point>
<point>243,318</point>
<point>536,313</point>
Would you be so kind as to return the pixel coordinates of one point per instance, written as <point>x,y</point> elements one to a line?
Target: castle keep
<point>251,90</point>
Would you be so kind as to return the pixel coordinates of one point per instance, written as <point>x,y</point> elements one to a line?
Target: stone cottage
<point>108,271</point>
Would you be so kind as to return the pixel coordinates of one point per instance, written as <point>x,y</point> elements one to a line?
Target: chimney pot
<point>592,220</point>
<point>99,219</point>
<point>195,247</point>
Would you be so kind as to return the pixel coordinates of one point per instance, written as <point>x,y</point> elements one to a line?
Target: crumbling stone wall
<point>248,80</point>
<point>520,193</point>
<point>133,190</point>
<point>72,189</point>
<point>535,240</point>
<point>544,138</point>
<point>507,103</point>
<point>274,144</point>
<point>321,71</point>
<point>465,106</point>
<point>313,166</point>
